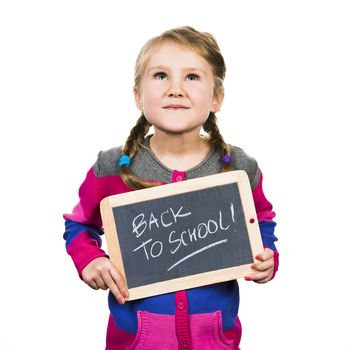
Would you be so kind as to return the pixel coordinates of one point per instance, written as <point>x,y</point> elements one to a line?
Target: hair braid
<point>216,139</point>
<point>137,134</point>
<point>132,145</point>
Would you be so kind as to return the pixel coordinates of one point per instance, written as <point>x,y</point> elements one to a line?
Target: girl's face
<point>176,93</point>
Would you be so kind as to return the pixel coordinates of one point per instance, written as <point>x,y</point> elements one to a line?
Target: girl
<point>178,89</point>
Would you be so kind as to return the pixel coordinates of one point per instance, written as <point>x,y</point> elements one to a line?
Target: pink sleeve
<point>87,211</point>
<point>266,217</point>
<point>84,225</point>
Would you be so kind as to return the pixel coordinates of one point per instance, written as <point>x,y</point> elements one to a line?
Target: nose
<point>175,94</point>
<point>175,90</point>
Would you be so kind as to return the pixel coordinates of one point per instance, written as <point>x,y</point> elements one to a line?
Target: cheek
<point>203,98</point>
<point>151,97</point>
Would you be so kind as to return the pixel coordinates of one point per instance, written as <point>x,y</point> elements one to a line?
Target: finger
<point>119,286</point>
<point>100,282</point>
<point>264,280</point>
<point>111,285</point>
<point>120,282</point>
<point>92,284</point>
<point>90,281</point>
<point>265,255</point>
<point>259,277</point>
<point>265,265</point>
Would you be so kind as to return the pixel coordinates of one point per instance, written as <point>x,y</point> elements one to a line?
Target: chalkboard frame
<point>238,177</point>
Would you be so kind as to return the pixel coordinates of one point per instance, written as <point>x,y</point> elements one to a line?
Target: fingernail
<point>248,278</point>
<point>121,301</point>
<point>125,293</point>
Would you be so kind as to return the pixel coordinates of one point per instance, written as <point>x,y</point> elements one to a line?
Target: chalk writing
<point>176,239</point>
<point>139,222</point>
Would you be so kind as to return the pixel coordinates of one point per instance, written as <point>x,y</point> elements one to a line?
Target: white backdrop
<point>66,76</point>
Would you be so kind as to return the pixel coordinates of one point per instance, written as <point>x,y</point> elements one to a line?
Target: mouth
<point>175,107</point>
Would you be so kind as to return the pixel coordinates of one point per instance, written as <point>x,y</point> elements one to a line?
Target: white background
<point>66,77</point>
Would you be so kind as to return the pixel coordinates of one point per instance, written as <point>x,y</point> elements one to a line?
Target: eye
<point>192,76</point>
<point>160,76</point>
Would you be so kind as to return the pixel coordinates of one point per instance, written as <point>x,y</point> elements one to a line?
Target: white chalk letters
<point>173,238</point>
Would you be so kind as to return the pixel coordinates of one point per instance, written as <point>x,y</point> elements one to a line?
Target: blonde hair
<point>205,45</point>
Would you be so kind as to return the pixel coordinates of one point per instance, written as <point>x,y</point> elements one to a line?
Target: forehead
<point>176,56</point>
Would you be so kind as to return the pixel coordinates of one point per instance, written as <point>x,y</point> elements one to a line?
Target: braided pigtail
<point>216,139</point>
<point>132,145</point>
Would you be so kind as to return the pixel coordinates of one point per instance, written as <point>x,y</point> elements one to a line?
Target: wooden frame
<point>240,177</point>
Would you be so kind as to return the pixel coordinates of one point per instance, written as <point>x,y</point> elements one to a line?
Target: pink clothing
<point>199,318</point>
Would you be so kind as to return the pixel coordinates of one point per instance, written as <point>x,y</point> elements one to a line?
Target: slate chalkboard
<point>182,235</point>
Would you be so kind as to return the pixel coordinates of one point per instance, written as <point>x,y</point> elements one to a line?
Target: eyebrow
<point>161,67</point>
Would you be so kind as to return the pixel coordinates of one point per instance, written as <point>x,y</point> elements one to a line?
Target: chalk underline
<point>197,252</point>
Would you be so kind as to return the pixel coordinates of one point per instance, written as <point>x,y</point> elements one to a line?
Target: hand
<point>101,273</point>
<point>264,268</point>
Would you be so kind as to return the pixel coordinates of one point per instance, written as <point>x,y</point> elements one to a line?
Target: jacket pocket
<point>154,331</point>
<point>207,332</point>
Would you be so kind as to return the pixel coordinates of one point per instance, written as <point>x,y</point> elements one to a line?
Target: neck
<point>179,151</point>
<point>176,144</point>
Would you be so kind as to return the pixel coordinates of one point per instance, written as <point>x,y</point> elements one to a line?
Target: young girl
<point>178,89</point>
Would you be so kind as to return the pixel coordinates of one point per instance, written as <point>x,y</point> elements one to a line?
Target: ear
<point>218,99</point>
<point>138,99</point>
